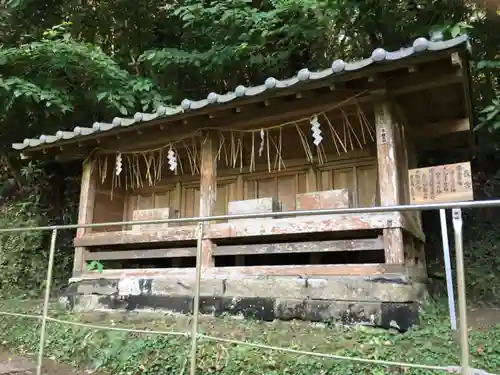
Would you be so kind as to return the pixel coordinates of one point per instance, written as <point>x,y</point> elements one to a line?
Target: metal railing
<point>195,335</point>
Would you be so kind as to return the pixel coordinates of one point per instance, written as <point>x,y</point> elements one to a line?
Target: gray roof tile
<point>379,55</point>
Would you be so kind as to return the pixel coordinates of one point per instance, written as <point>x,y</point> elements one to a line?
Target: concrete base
<point>390,301</point>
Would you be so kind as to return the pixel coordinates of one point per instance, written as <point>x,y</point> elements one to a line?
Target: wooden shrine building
<point>338,138</point>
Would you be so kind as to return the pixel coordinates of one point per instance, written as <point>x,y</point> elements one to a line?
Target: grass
<point>433,343</point>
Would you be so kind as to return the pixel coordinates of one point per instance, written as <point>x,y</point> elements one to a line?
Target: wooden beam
<point>305,224</point>
<point>198,119</point>
<point>419,82</point>
<point>239,272</point>
<point>439,129</point>
<point>409,133</point>
<point>312,186</point>
<point>389,176</point>
<point>85,212</point>
<point>262,227</point>
<point>258,249</point>
<point>181,252</point>
<point>285,109</point>
<point>253,114</point>
<point>240,195</point>
<point>386,130</point>
<point>208,191</point>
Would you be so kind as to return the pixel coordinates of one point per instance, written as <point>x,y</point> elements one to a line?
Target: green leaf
<point>187,17</point>
<point>455,30</point>
<point>101,96</point>
<point>123,110</point>
<point>95,266</point>
<point>492,114</point>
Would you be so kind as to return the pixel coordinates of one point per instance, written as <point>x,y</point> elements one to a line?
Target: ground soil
<point>15,365</point>
<point>483,317</point>
<point>480,318</point>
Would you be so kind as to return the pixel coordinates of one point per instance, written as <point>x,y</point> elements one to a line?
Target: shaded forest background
<point>67,63</point>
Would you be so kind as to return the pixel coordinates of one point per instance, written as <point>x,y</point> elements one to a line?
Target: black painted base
<point>382,314</point>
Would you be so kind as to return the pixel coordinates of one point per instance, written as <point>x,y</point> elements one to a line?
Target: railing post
<point>196,299</point>
<point>462,302</point>
<point>447,269</point>
<point>48,286</point>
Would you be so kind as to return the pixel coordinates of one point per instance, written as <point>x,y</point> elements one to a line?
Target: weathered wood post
<point>208,191</point>
<point>389,175</point>
<point>85,212</point>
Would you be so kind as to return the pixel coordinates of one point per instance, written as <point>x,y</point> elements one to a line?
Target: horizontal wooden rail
<point>261,227</point>
<point>240,272</point>
<point>254,249</point>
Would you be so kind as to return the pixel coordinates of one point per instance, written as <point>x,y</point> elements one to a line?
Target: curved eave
<point>213,100</point>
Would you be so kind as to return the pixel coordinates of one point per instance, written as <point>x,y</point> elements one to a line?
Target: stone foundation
<point>389,301</point>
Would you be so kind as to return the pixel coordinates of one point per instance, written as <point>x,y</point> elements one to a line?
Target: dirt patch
<point>11,364</point>
<point>483,317</point>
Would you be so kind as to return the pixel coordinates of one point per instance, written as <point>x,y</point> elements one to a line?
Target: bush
<point>24,254</point>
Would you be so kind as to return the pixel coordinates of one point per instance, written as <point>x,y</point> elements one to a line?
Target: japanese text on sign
<point>441,184</point>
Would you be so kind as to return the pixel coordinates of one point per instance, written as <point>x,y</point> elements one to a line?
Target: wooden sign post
<point>443,184</point>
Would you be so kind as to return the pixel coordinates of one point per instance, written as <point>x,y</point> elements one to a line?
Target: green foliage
<point>46,82</point>
<point>24,254</point>
<point>258,39</point>
<point>67,63</point>
<point>490,116</point>
<point>121,353</point>
<point>95,266</point>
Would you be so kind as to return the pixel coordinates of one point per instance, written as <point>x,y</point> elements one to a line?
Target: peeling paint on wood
<point>323,200</point>
<point>251,206</point>
<point>261,227</point>
<point>386,154</point>
<point>307,224</point>
<point>85,212</point>
<point>393,245</point>
<point>273,248</point>
<point>208,192</point>
<point>187,232</point>
<point>411,225</point>
<point>372,269</point>
<point>388,180</point>
<point>151,214</point>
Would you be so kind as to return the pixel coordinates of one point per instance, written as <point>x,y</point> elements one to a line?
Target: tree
<point>67,63</point>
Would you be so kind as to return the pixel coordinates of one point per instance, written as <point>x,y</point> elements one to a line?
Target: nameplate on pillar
<point>441,184</point>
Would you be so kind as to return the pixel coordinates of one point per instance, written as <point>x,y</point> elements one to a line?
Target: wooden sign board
<point>441,184</point>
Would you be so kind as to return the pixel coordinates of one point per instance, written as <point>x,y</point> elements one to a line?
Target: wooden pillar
<point>85,213</point>
<point>208,191</point>
<point>413,163</point>
<point>239,260</point>
<point>389,176</point>
<point>176,262</point>
<point>311,187</point>
<point>415,255</point>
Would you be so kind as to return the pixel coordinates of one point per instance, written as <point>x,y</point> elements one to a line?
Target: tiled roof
<point>379,55</point>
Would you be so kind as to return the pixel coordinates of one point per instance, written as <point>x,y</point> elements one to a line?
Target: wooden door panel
<point>367,185</point>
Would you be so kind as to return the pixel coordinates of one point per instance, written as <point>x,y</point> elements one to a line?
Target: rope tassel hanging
<point>172,160</point>
<point>236,150</point>
<point>262,140</point>
<point>118,164</point>
<point>316,131</point>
